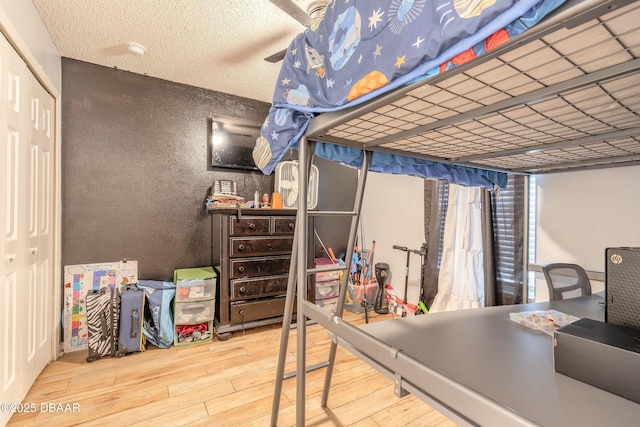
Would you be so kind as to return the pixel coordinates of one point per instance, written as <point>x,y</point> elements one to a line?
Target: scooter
<point>422,252</point>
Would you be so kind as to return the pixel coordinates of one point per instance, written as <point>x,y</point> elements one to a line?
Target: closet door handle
<point>11,257</point>
<point>33,250</point>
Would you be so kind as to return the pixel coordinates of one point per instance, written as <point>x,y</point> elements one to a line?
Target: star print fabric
<point>364,48</point>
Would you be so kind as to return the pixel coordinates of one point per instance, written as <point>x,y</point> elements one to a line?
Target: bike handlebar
<point>405,249</point>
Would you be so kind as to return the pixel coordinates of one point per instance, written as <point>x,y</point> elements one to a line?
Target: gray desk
<point>480,368</point>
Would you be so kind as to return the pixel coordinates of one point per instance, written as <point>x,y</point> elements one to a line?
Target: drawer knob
<point>242,290</point>
<point>252,226</point>
<point>241,268</point>
<point>291,225</point>
<point>241,247</point>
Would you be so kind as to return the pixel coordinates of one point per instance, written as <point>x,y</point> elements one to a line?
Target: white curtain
<point>461,279</point>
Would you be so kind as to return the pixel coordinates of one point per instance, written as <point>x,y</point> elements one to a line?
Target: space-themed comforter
<point>362,48</point>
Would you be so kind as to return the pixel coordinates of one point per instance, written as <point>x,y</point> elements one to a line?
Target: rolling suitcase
<point>130,336</point>
<point>103,308</point>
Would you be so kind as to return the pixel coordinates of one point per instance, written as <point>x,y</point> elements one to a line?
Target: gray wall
<point>135,170</point>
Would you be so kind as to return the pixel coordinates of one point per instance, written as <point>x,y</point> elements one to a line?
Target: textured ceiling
<point>212,44</point>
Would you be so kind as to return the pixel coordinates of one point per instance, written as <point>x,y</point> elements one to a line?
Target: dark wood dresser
<point>251,248</point>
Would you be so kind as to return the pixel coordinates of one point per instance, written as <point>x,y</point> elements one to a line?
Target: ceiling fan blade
<point>294,11</point>
<point>276,57</point>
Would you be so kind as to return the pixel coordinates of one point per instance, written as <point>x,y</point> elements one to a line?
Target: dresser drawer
<point>250,267</point>
<point>255,310</point>
<point>259,287</point>
<point>241,247</point>
<point>284,225</point>
<point>249,226</point>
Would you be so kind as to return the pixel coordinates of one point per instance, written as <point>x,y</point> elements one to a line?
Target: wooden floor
<point>221,383</point>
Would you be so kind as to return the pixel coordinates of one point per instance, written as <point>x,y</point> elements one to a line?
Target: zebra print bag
<point>103,310</point>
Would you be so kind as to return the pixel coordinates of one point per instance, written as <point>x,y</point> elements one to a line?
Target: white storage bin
<point>195,289</point>
<point>329,304</point>
<point>195,312</point>
<point>327,289</point>
<point>326,276</point>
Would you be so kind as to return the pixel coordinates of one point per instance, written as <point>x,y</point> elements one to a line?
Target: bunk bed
<point>537,87</point>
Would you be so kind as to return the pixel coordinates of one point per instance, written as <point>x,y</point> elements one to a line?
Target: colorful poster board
<point>78,280</point>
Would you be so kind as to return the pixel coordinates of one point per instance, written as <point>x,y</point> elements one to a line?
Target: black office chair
<point>566,281</point>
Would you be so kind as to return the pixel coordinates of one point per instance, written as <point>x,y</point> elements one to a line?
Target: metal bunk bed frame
<point>458,116</point>
<point>567,136</point>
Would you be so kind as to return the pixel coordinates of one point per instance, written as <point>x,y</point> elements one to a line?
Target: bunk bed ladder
<point>298,278</point>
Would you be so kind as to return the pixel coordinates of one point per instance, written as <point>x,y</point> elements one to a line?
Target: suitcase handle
<point>103,324</point>
<point>135,323</point>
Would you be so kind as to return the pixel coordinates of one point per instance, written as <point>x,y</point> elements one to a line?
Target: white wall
<point>579,214</point>
<point>24,16</point>
<point>393,214</point>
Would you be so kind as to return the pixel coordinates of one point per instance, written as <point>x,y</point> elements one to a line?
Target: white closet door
<point>38,230</point>
<point>26,240</point>
<point>11,303</point>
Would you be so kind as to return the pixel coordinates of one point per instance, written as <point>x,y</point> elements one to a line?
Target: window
<point>508,222</point>
<point>508,240</point>
<point>531,235</point>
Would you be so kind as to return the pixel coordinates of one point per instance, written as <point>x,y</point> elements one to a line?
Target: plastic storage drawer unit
<point>195,305</point>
